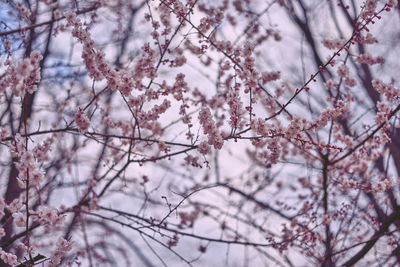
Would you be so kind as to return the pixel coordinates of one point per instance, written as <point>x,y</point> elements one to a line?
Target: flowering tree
<point>204,133</point>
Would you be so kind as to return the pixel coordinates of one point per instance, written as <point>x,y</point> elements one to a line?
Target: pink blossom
<point>270,76</point>
<point>8,258</point>
<point>368,59</point>
<point>209,128</point>
<point>82,121</point>
<point>19,219</point>
<point>350,81</point>
<point>343,71</point>
<point>329,84</point>
<point>190,160</point>
<point>63,247</point>
<point>369,8</point>
<point>235,109</point>
<point>333,44</point>
<point>204,148</point>
<point>294,128</point>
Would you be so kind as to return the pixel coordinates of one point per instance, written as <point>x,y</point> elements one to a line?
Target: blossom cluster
<point>63,247</point>
<point>98,67</point>
<point>333,44</point>
<point>189,218</point>
<point>249,74</point>
<point>330,114</point>
<point>94,60</point>
<point>192,160</point>
<point>82,121</point>
<point>383,113</point>
<point>343,72</point>
<point>391,93</point>
<point>210,129</point>
<point>27,166</point>
<point>208,22</point>
<point>155,112</point>
<point>346,139</point>
<point>260,127</point>
<point>270,76</point>
<point>41,151</point>
<point>49,216</point>
<point>365,39</point>
<point>368,59</point>
<point>8,258</point>
<point>369,8</point>
<point>23,76</point>
<point>23,11</point>
<point>378,187</point>
<point>235,109</point>
<point>295,127</point>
